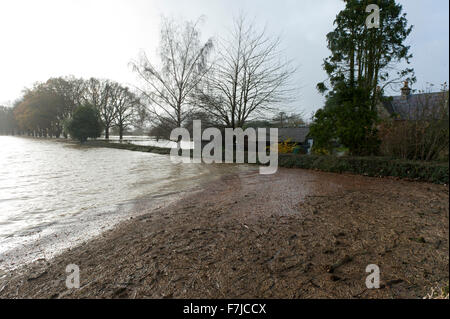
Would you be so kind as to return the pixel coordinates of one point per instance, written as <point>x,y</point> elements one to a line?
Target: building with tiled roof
<point>413,107</point>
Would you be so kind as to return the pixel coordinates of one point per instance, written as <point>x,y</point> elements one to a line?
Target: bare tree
<point>161,128</point>
<point>250,76</point>
<point>126,105</point>
<point>77,91</point>
<point>282,119</point>
<point>98,94</point>
<point>183,66</point>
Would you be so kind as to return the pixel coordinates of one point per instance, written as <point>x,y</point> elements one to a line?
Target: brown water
<point>54,195</point>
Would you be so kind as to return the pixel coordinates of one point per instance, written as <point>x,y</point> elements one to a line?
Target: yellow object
<point>321,151</point>
<point>285,147</point>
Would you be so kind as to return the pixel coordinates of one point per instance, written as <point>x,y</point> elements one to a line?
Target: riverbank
<point>295,234</point>
<point>129,147</point>
<point>46,208</point>
<point>431,172</point>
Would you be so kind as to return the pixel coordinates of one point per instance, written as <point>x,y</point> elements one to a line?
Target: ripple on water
<point>56,194</point>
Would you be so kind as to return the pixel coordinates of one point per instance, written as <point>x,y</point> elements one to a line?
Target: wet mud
<point>295,234</point>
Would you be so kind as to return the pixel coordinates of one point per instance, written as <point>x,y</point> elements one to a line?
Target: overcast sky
<point>47,38</point>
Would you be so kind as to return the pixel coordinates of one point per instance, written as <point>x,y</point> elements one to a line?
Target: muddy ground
<point>295,234</point>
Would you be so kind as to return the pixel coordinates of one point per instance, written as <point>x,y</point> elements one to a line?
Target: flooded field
<point>54,195</point>
<point>147,141</point>
<point>295,234</point>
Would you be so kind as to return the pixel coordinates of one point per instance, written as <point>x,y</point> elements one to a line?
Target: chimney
<point>406,91</point>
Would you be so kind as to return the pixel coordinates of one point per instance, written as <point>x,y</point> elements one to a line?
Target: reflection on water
<point>54,194</point>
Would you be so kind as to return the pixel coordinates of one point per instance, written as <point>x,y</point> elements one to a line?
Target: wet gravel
<point>295,234</point>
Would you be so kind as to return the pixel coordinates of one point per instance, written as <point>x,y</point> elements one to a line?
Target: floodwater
<point>149,141</point>
<point>54,195</point>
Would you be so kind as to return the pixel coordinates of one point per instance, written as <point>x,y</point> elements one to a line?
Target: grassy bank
<point>437,173</point>
<point>130,147</point>
<point>371,166</point>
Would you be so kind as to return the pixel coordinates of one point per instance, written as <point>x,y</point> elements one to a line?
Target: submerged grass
<point>130,147</point>
<point>433,172</point>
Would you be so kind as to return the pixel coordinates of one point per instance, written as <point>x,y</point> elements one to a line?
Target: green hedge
<point>370,166</point>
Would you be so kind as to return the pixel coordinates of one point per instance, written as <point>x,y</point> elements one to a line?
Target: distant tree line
<point>8,124</point>
<point>227,82</point>
<point>46,109</point>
